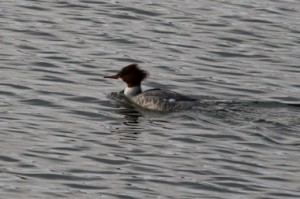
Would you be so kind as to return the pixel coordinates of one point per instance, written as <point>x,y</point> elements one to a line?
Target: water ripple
<point>67,132</point>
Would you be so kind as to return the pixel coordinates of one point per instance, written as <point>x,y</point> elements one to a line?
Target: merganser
<point>153,99</point>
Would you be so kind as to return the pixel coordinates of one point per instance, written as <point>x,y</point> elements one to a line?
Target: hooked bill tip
<point>111,77</point>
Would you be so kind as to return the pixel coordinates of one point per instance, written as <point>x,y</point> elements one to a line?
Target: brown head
<point>130,74</point>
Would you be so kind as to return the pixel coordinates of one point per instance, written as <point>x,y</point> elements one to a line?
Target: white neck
<point>132,91</point>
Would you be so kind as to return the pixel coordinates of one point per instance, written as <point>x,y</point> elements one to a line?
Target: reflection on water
<point>65,133</point>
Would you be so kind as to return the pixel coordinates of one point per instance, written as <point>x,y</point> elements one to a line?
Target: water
<point>62,137</point>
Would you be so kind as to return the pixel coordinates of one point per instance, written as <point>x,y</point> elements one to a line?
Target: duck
<point>155,99</point>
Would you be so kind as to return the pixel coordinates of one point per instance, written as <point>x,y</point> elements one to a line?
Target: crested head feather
<point>132,75</point>
<point>133,69</point>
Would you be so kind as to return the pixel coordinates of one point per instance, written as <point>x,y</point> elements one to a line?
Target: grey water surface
<point>61,136</point>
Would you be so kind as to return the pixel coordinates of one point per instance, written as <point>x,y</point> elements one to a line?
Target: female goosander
<point>153,99</point>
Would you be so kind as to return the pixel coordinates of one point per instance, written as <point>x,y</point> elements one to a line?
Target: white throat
<point>132,91</point>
